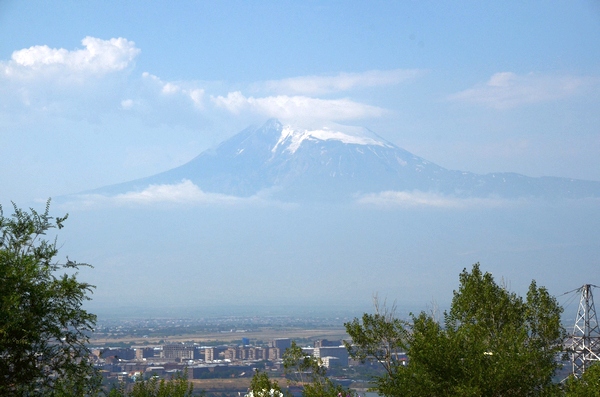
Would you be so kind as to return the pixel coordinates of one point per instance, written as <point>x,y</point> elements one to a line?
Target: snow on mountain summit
<point>335,162</point>
<point>291,138</point>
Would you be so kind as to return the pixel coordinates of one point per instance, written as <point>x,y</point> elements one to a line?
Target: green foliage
<point>43,328</point>
<point>379,337</point>
<point>300,367</point>
<point>586,386</point>
<point>492,343</point>
<point>177,386</point>
<point>261,385</point>
<point>309,372</point>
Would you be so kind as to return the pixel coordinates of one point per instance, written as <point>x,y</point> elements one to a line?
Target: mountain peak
<point>272,124</point>
<point>337,162</point>
<point>292,137</point>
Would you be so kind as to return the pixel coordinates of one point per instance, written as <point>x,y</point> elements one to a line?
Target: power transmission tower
<point>585,341</point>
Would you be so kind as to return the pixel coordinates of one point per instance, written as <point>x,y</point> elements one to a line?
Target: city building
<point>178,351</point>
<point>281,343</point>
<point>339,352</point>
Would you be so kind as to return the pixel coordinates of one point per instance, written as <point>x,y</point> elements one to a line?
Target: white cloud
<point>183,193</point>
<point>297,107</point>
<point>127,104</point>
<point>85,82</point>
<point>97,58</point>
<point>80,84</point>
<point>315,85</point>
<point>170,88</point>
<point>187,90</point>
<point>431,200</point>
<point>506,90</point>
<point>197,96</point>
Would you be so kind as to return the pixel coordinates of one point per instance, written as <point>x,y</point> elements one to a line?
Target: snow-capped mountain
<point>338,163</point>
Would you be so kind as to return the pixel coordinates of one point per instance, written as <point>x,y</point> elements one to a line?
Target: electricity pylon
<point>585,341</point>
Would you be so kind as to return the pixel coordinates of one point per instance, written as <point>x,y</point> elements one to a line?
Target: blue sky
<point>94,93</point>
<point>100,92</point>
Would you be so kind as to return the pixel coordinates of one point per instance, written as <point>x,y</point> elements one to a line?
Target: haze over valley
<point>282,157</point>
<point>265,234</point>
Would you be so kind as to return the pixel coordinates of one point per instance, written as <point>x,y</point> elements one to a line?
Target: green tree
<point>586,386</point>
<point>177,386</point>
<point>309,372</point>
<point>262,386</point>
<point>379,337</point>
<point>43,327</point>
<point>491,343</point>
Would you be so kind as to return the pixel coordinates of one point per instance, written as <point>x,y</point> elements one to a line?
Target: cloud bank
<point>188,91</point>
<point>187,193</point>
<point>183,193</point>
<point>297,107</point>
<point>317,85</point>
<point>79,77</point>
<point>507,90</point>
<point>96,79</point>
<point>417,199</point>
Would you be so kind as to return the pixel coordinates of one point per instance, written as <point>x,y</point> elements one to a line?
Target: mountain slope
<point>338,164</point>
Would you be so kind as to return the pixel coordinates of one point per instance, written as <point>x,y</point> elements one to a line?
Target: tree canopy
<point>491,342</point>
<point>310,373</point>
<point>43,327</point>
<point>586,386</point>
<point>379,337</point>
<point>177,386</point>
<point>262,386</point>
